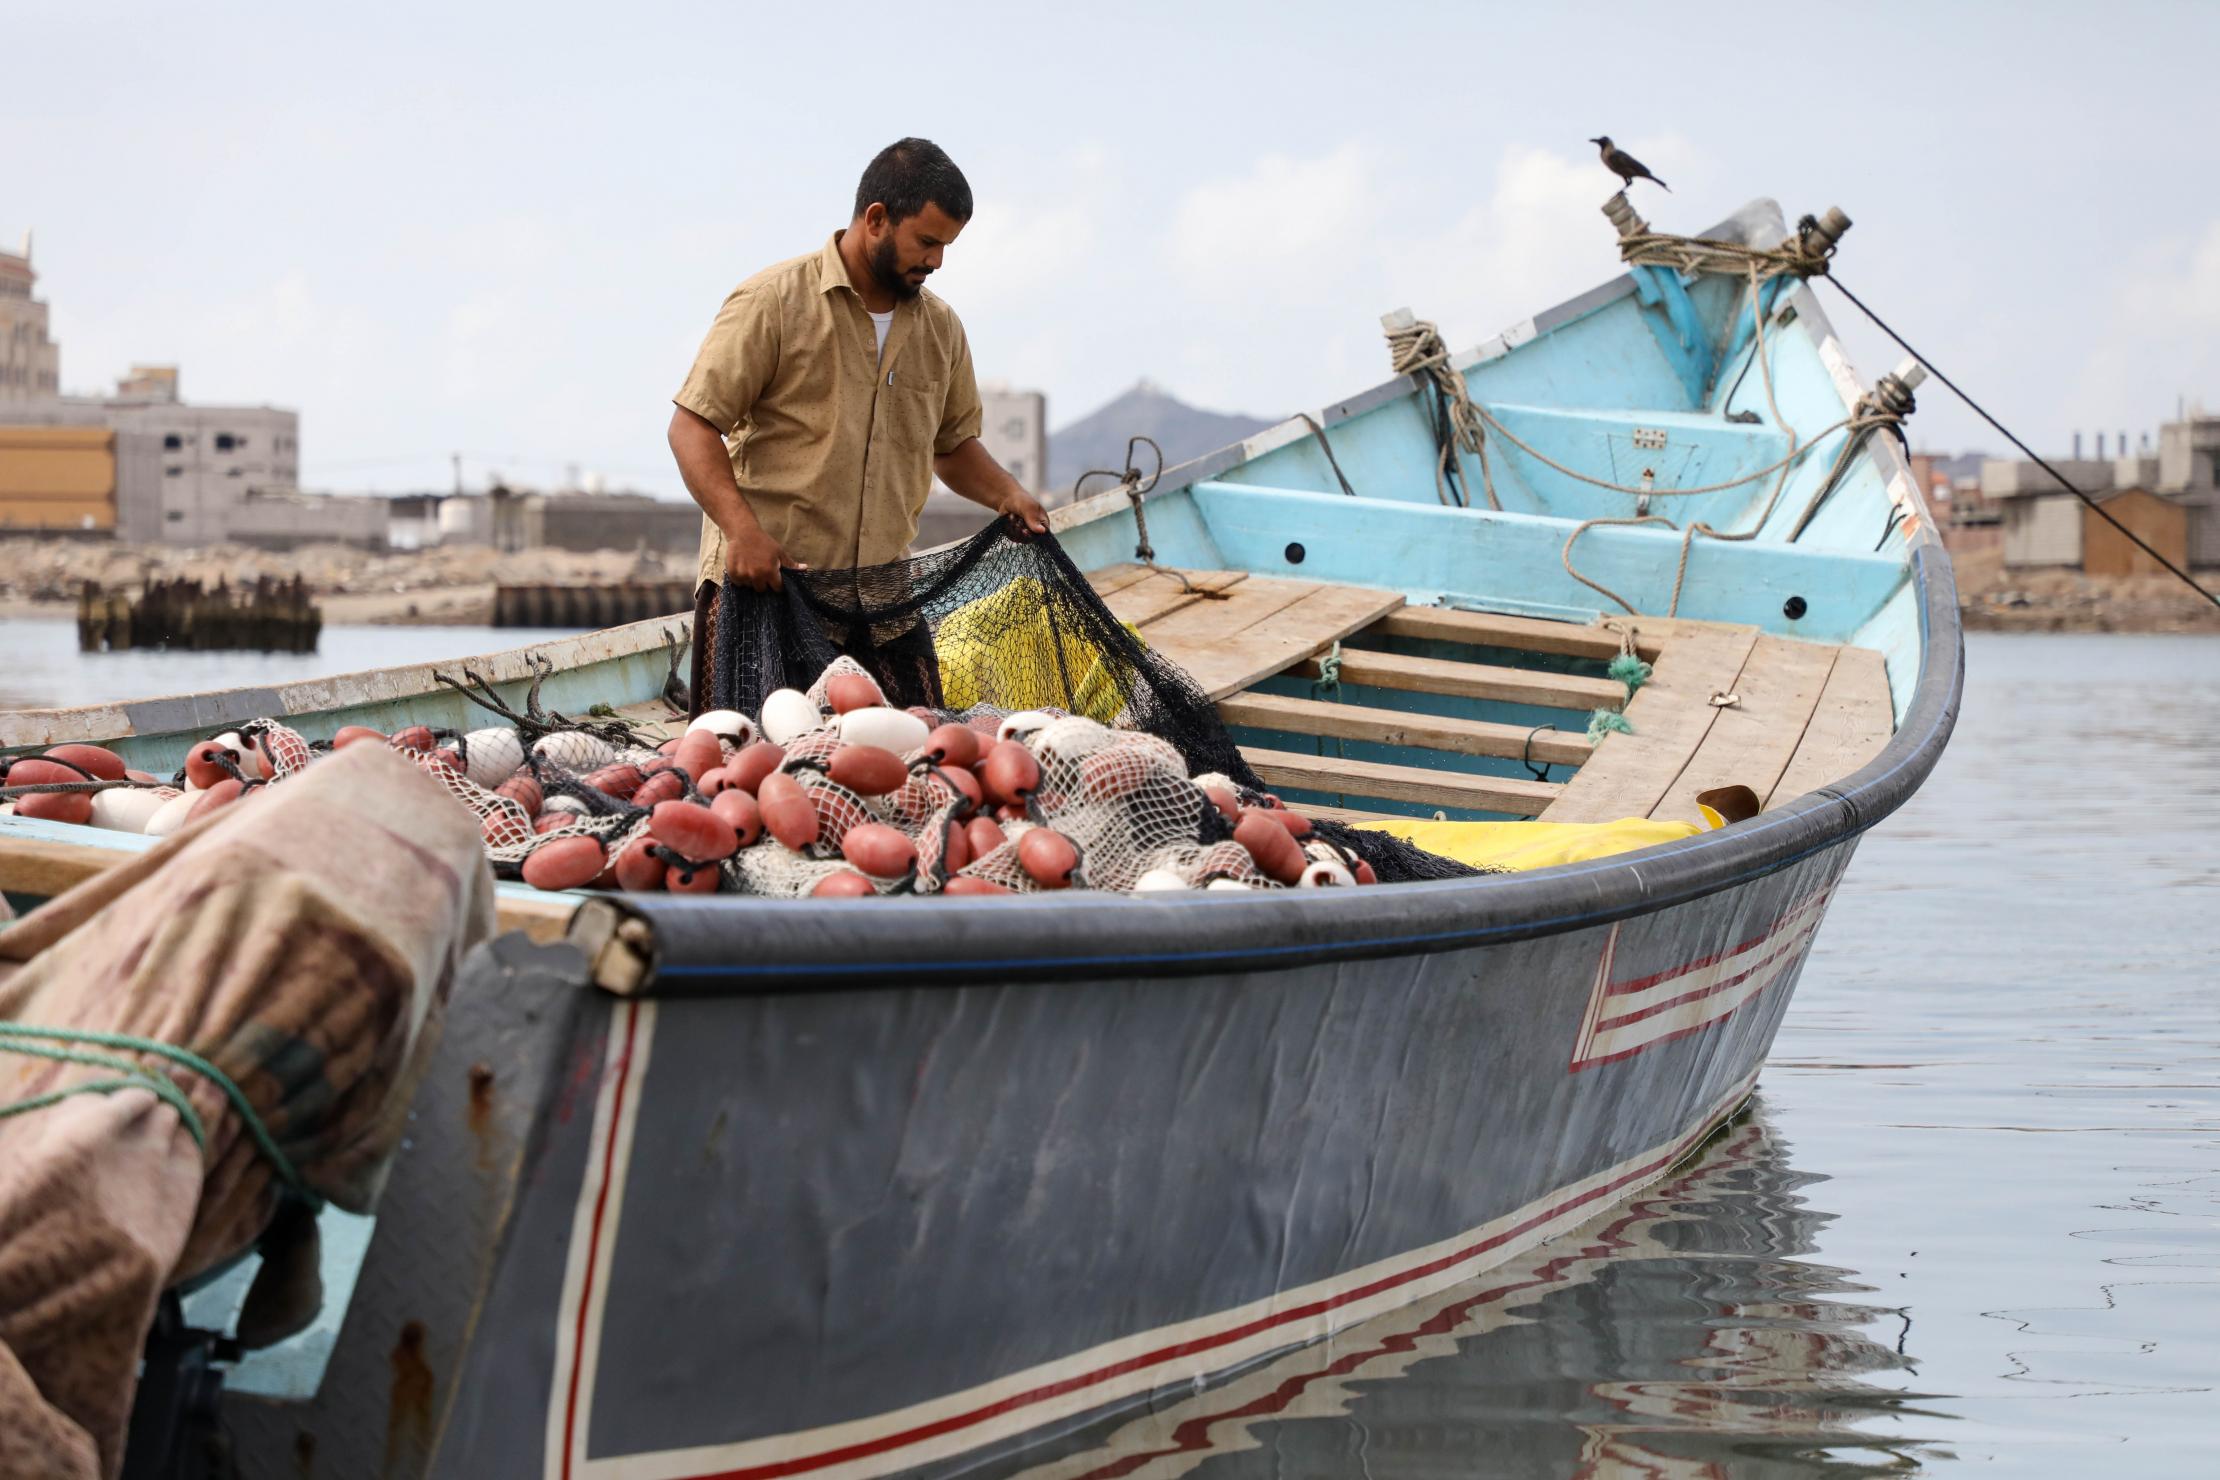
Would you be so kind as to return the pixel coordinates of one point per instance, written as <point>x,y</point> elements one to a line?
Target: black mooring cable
<point>1975,406</point>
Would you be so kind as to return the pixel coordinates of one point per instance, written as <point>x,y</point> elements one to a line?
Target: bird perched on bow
<point>1626,166</point>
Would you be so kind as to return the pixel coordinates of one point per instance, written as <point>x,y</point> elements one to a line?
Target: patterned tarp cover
<point>304,944</point>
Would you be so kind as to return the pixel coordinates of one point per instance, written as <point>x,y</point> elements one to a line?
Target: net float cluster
<point>831,792</point>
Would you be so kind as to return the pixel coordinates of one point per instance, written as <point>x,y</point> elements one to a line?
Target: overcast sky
<point>503,230</point>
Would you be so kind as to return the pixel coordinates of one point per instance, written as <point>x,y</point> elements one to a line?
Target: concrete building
<point>1013,426</point>
<point>211,458</point>
<point>30,361</point>
<point>590,521</point>
<point>284,519</point>
<point>2170,498</point>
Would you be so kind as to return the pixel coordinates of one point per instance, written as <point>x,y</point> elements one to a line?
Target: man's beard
<point>886,268</point>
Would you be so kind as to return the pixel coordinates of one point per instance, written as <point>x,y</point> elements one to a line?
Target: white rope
<point>1417,346</point>
<point>1701,254</point>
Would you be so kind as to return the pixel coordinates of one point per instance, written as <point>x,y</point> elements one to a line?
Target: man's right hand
<point>753,559</point>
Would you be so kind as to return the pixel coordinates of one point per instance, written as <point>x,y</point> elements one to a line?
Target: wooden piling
<point>269,616</point>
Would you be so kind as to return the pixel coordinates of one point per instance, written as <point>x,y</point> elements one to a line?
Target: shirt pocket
<point>909,418</point>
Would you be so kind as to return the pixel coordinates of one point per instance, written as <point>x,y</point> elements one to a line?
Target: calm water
<point>1972,1219</point>
<point>40,667</point>
<point>1974,1216</point>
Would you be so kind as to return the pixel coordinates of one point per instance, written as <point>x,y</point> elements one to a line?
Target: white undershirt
<point>880,323</point>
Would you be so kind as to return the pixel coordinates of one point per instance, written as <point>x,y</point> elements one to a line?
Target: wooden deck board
<point>1347,814</point>
<point>1114,578</point>
<point>653,717</point>
<point>1526,634</point>
<point>1263,625</point>
<point>1850,725</point>
<point>1396,727</point>
<point>1430,788</point>
<point>1475,681</point>
<point>1750,743</point>
<point>1671,714</point>
<point>1157,593</point>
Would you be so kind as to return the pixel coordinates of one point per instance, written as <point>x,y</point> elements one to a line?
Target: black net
<point>993,625</point>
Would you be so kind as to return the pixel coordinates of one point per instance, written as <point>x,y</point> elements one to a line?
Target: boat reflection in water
<point>1683,1334</point>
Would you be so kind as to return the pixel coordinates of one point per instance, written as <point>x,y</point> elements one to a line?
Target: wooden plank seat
<point>1449,789</point>
<point>1473,680</point>
<point>1724,705</point>
<point>1398,727</point>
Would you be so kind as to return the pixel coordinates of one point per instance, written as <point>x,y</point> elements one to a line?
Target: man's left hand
<point>1024,514</point>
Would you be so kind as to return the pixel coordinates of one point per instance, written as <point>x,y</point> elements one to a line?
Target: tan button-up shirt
<point>832,443</point>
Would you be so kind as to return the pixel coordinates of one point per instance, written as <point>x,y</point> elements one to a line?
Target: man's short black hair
<point>910,174</point>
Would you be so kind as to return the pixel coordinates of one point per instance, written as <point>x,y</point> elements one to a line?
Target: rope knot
<point>1329,671</point>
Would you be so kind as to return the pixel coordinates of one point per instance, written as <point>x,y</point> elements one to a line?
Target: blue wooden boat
<point>755,1188</point>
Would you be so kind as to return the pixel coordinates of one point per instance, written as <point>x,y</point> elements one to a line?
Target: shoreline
<point>454,585</point>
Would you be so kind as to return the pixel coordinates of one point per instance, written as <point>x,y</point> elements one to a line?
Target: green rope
<point>1606,722</point>
<point>1329,671</point>
<point>1329,682</point>
<point>1629,670</point>
<point>39,1043</point>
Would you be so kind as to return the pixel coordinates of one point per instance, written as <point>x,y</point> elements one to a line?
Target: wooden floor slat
<point>1263,625</point>
<point>653,717</point>
<point>1347,814</point>
<point>1396,727</point>
<point>1671,714</point>
<point>1156,594</point>
<point>1429,788</point>
<point>1749,743</point>
<point>1850,725</point>
<point>1475,681</point>
<point>1526,634</point>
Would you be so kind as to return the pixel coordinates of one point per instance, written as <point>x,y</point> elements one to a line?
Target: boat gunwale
<point>728,943</point>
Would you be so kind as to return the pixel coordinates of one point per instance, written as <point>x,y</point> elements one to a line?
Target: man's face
<point>904,254</point>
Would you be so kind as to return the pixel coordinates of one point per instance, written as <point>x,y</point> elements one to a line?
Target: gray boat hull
<point>866,1231</point>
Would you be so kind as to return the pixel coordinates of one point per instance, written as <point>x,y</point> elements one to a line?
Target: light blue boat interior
<point>1652,375</point>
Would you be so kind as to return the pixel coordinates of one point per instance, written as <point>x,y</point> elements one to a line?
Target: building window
<point>225,441</point>
<point>172,442</point>
<point>174,470</point>
<point>175,516</point>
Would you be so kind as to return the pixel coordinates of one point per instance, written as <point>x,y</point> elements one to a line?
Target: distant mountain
<point>1183,431</point>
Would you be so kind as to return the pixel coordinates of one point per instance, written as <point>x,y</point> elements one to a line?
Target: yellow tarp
<point>1004,640</point>
<point>1519,846</point>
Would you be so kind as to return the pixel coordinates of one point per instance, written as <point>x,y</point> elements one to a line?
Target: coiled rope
<point>1795,257</point>
<point>49,1044</point>
<point>1418,346</point>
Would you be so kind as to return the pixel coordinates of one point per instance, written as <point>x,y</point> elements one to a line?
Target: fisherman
<point>830,392</point>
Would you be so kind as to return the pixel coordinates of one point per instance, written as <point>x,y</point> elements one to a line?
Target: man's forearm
<point>972,472</point>
<point>706,469</point>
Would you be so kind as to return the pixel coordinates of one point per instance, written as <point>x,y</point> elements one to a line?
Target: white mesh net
<point>1108,809</point>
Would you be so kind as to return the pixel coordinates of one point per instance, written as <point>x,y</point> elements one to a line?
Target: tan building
<point>78,479</point>
<point>2171,500</point>
<point>210,461</point>
<point>2160,523</point>
<point>30,361</point>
